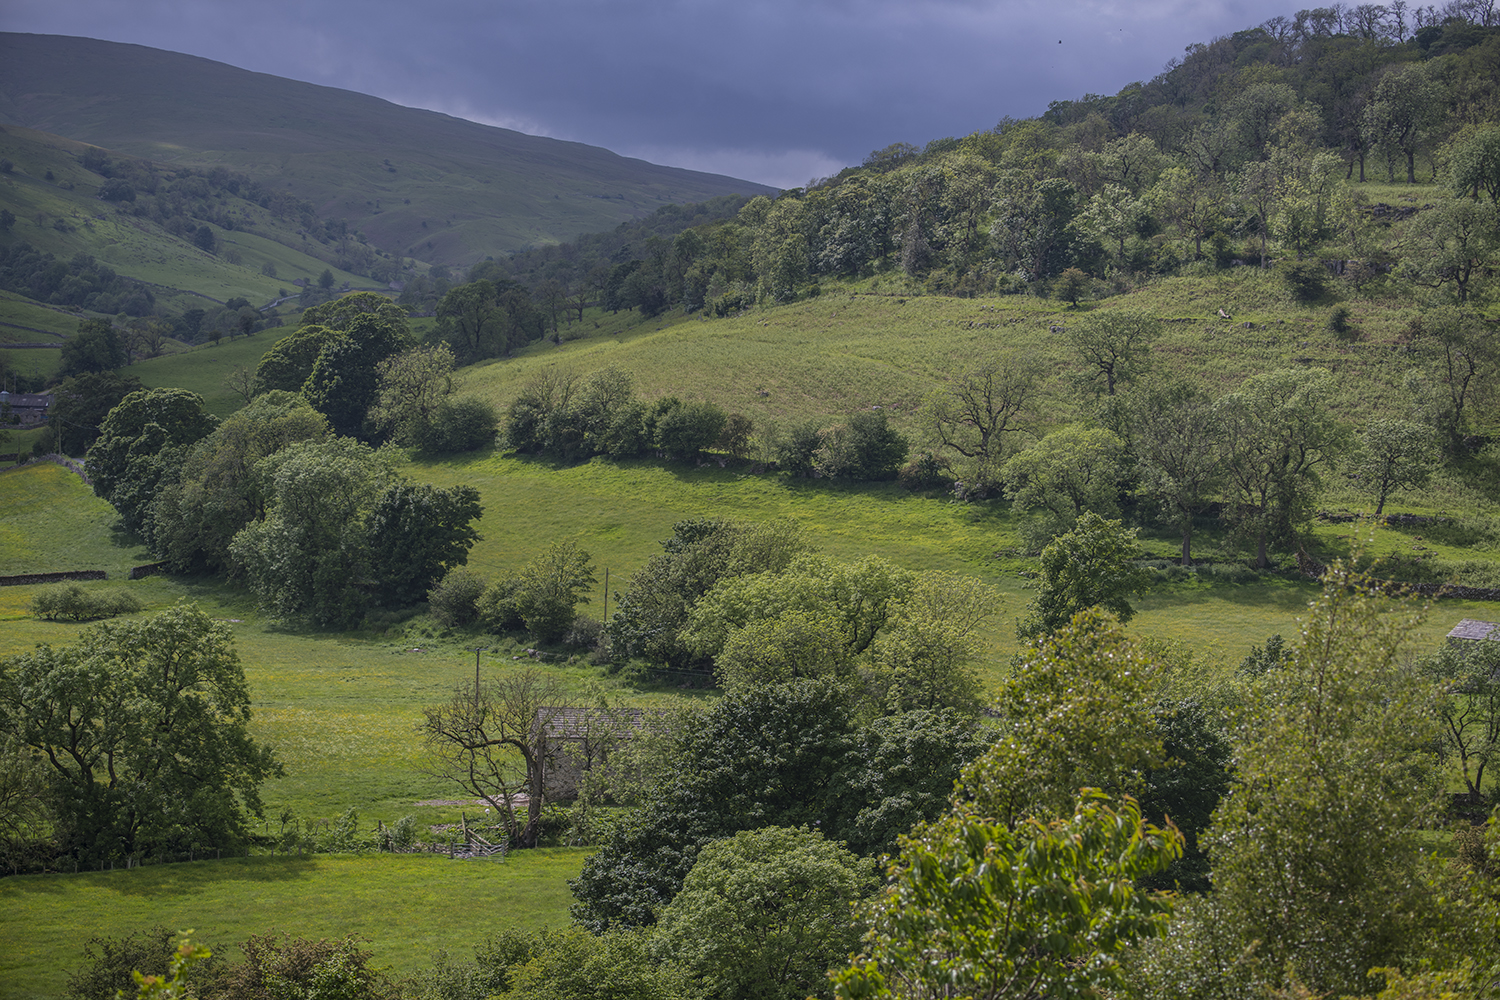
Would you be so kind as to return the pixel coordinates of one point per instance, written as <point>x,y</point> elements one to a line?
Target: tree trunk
<point>1187,542</point>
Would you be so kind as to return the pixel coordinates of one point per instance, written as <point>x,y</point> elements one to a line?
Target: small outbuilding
<point>1473,630</point>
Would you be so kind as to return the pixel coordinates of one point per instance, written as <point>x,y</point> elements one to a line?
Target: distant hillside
<point>414,182</point>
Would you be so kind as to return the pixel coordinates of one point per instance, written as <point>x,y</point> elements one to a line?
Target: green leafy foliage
<point>75,603</point>
<point>343,531</point>
<point>659,598</point>
<point>1317,851</point>
<point>145,726</point>
<point>139,446</point>
<point>1091,566</point>
<point>764,913</point>
<point>1039,908</point>
<point>1279,435</point>
<point>572,964</point>
<point>80,404</point>
<point>96,347</point>
<point>544,596</point>
<point>454,600</point>
<point>1069,472</point>
<point>1075,712</point>
<point>116,966</point>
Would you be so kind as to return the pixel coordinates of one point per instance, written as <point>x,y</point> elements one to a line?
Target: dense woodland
<point>853,814</point>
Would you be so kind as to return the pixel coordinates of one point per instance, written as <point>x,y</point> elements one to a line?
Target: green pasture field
<point>826,356</point>
<point>203,368</point>
<point>21,318</point>
<point>342,708</point>
<point>408,907</point>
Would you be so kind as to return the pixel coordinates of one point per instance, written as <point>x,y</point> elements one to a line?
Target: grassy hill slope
<point>415,182</point>
<point>64,216</point>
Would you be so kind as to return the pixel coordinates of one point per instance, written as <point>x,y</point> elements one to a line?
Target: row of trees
<point>322,527</point>
<point>573,417</point>
<point>353,359</point>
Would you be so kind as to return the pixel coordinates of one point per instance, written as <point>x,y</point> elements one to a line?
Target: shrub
<point>1338,324</point>
<point>459,425</point>
<point>866,447</point>
<point>454,602</point>
<point>795,449</point>
<point>585,632</point>
<point>71,601</point>
<point>109,962</point>
<point>925,471</point>
<point>497,608</point>
<point>735,438</point>
<point>284,966</point>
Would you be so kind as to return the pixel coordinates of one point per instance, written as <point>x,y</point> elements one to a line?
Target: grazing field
<point>876,344</point>
<point>408,907</point>
<point>203,369</point>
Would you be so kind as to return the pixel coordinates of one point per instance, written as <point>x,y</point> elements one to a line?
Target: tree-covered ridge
<point>1236,151</point>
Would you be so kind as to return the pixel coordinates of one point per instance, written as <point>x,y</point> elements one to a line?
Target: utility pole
<point>477,651</point>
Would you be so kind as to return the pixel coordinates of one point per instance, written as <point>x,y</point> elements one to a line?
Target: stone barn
<point>579,740</point>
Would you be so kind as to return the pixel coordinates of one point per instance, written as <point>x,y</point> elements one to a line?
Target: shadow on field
<point>1278,595</point>
<point>160,880</point>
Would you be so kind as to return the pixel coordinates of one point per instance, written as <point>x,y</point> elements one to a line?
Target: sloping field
<point>408,907</point>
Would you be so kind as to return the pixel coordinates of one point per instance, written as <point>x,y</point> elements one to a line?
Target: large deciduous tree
<point>1090,566</point>
<point>1112,348</point>
<point>1068,472</point>
<point>143,727</point>
<point>1394,455</point>
<point>139,445</point>
<point>96,347</point>
<point>215,492</point>
<point>980,407</point>
<point>1180,451</point>
<point>80,404</point>
<point>343,531</point>
<point>1403,113</point>
<point>1279,434</point>
<point>345,379</point>
<point>763,914</point>
<point>413,385</point>
<point>1318,850</point>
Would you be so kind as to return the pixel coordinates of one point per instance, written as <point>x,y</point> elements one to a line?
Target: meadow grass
<point>202,369</point>
<point>846,349</point>
<point>26,312</point>
<point>408,907</point>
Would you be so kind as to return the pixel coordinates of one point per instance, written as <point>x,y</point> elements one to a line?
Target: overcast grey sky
<point>777,91</point>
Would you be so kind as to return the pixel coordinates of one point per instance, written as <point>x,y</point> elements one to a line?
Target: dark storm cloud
<point>771,90</point>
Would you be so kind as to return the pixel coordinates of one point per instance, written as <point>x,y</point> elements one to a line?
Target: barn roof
<point>1471,628</point>
<point>580,723</point>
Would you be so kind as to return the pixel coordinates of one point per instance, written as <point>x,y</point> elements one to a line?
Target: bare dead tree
<point>494,743</point>
<point>981,407</point>
<point>243,383</point>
